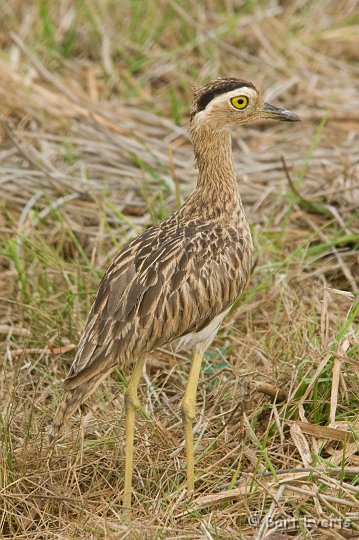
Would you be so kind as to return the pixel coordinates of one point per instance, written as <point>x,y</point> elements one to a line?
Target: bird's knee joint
<point>188,410</point>
<point>131,401</point>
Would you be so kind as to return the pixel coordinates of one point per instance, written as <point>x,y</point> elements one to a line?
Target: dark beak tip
<point>293,118</point>
<point>278,113</point>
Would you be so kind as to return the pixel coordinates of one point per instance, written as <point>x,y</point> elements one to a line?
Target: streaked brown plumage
<point>175,282</point>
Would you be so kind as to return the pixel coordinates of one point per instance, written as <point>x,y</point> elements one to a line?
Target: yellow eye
<point>239,102</point>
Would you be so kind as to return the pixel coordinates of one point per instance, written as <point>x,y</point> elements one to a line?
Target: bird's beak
<point>271,111</point>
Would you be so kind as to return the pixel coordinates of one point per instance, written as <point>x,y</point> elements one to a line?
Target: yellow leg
<point>188,414</point>
<point>131,405</point>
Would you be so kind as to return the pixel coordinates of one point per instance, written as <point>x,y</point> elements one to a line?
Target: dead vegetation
<point>93,104</point>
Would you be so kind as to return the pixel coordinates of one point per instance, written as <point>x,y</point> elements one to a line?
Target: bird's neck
<point>216,183</point>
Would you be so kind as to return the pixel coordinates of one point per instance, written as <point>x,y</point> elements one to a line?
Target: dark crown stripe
<point>220,88</point>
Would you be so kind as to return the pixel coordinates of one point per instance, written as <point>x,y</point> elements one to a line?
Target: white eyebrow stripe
<point>243,91</point>
<point>247,91</point>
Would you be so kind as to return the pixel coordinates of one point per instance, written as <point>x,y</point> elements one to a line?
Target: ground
<point>94,100</point>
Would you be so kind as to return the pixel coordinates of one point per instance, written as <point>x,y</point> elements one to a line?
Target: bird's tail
<point>73,398</point>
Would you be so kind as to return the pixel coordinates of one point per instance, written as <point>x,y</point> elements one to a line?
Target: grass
<point>94,104</point>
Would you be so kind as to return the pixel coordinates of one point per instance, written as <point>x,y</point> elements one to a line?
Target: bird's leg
<point>188,414</point>
<point>131,405</point>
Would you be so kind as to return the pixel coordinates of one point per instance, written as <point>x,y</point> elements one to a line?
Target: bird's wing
<point>168,282</point>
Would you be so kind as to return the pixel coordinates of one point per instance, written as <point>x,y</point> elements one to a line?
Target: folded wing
<point>165,284</point>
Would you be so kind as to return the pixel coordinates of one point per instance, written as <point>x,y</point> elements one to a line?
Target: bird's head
<point>224,103</point>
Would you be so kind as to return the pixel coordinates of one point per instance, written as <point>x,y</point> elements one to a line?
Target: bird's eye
<point>239,102</point>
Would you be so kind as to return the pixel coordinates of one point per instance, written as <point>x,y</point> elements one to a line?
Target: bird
<point>175,282</point>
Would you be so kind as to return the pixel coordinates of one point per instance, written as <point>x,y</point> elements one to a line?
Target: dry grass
<point>93,101</point>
